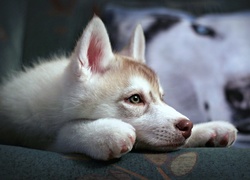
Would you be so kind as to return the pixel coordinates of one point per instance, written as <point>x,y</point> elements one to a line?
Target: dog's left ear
<point>136,47</point>
<point>93,53</point>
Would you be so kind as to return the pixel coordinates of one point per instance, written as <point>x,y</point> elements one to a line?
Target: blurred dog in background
<point>202,62</point>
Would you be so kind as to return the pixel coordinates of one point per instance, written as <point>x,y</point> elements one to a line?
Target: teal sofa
<point>193,163</point>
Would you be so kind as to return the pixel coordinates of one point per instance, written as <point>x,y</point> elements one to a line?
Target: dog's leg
<point>102,139</point>
<point>212,134</point>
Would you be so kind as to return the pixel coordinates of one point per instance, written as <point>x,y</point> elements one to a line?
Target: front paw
<point>121,141</point>
<point>212,134</point>
<point>221,134</point>
<point>113,139</point>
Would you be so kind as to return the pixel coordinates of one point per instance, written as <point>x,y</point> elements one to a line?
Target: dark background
<point>38,29</point>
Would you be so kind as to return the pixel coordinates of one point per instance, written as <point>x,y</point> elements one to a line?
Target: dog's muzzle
<point>237,94</point>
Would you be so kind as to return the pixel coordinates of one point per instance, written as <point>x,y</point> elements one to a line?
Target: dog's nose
<point>185,126</point>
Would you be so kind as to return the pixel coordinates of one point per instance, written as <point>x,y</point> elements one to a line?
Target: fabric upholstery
<point>193,163</point>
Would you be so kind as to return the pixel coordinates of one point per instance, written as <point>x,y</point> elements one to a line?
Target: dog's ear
<point>136,46</point>
<point>93,52</point>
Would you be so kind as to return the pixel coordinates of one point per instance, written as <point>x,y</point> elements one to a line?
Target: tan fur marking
<point>118,75</point>
<point>152,97</point>
<point>136,68</point>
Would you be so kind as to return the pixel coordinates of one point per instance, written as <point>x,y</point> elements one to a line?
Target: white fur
<point>139,83</point>
<point>82,104</point>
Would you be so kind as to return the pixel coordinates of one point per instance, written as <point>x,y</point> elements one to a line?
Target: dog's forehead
<point>147,85</point>
<point>138,82</point>
<point>139,75</point>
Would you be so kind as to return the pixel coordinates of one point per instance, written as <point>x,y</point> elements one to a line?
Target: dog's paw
<point>221,134</point>
<point>121,141</point>
<point>113,138</point>
<point>212,134</point>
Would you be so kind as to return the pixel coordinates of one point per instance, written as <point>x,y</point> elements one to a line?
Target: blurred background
<point>199,48</point>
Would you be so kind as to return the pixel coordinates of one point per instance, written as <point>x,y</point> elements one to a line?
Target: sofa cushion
<point>192,163</point>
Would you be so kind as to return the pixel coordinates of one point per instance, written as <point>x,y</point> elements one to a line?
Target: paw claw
<point>210,142</point>
<point>224,141</point>
<point>124,149</point>
<point>132,139</point>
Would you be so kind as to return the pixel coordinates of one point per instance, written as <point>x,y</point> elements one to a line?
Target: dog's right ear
<point>93,52</point>
<point>136,46</point>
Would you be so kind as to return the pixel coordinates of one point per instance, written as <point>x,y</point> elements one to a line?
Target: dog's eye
<point>135,99</point>
<point>203,30</point>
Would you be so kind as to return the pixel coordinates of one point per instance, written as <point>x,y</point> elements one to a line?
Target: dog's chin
<point>160,148</point>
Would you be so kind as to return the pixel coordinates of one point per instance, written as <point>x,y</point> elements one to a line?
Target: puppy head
<point>107,85</point>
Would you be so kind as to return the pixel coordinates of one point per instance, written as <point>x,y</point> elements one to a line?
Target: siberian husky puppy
<point>98,103</point>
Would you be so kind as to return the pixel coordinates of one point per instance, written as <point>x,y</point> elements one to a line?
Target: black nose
<point>185,126</point>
